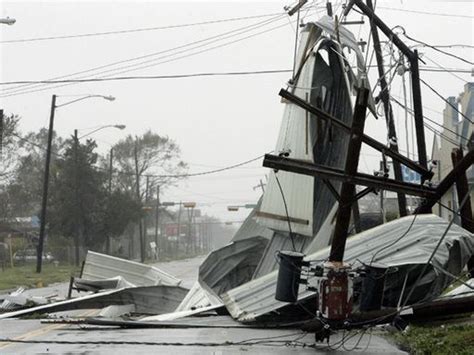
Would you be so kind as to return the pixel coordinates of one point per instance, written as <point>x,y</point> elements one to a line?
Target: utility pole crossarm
<point>306,168</point>
<point>425,173</point>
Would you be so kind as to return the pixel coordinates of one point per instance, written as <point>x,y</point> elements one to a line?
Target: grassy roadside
<point>25,275</point>
<point>443,339</point>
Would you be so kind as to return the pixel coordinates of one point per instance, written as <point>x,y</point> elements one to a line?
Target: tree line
<point>93,197</point>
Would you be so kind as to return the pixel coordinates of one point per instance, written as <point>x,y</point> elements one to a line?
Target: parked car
<point>29,255</point>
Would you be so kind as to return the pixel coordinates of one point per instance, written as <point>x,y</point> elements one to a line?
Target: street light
<point>7,21</point>
<point>118,126</point>
<point>44,202</point>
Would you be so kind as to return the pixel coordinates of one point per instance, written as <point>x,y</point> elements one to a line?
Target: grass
<point>25,275</point>
<point>444,339</point>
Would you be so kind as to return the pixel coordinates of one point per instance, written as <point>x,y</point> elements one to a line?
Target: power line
<point>446,70</point>
<point>236,31</point>
<point>208,172</point>
<point>437,49</point>
<point>18,90</point>
<point>176,76</point>
<point>21,40</point>
<point>444,99</point>
<point>429,119</point>
<point>425,12</point>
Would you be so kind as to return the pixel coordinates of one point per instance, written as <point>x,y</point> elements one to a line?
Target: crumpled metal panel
<point>256,298</point>
<point>150,300</point>
<point>251,228</point>
<point>232,265</point>
<point>198,297</point>
<point>294,137</point>
<point>99,266</point>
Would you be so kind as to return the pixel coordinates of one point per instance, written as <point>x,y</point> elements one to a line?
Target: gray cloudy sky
<point>217,121</point>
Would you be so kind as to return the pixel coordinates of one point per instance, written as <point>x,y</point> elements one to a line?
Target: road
<point>39,338</point>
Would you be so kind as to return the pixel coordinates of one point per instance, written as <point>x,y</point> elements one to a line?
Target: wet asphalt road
<point>78,339</point>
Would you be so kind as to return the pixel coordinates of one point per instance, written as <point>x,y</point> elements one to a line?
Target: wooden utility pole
<point>139,199</point>
<point>109,191</point>
<point>348,189</point>
<point>44,202</point>
<point>462,188</point>
<point>77,234</point>
<point>385,97</point>
<point>158,246</point>
<point>1,133</point>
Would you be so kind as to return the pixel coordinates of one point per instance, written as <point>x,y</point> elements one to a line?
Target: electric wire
<point>175,76</point>
<point>396,240</point>
<point>436,48</point>
<point>118,172</point>
<point>425,12</point>
<point>145,29</point>
<point>205,41</point>
<point>443,69</point>
<point>445,100</point>
<point>425,267</point>
<point>429,119</point>
<point>286,210</point>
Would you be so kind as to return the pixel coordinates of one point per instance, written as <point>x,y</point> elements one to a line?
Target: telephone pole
<point>44,202</point>
<point>157,219</point>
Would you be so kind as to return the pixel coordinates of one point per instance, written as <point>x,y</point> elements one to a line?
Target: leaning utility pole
<point>44,203</point>
<point>385,97</point>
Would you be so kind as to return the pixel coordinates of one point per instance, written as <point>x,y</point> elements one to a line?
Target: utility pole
<point>385,97</point>
<point>157,219</point>
<point>1,133</point>
<point>44,202</point>
<point>77,207</point>
<point>179,228</point>
<point>140,227</point>
<point>109,190</point>
<point>145,218</point>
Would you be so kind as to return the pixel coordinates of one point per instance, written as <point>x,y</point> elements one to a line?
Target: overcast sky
<point>217,121</point>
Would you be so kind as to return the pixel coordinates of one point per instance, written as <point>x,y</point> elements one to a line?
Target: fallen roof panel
<point>149,299</point>
<point>417,238</point>
<point>99,266</point>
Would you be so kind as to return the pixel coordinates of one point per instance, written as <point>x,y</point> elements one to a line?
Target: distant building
<point>457,132</point>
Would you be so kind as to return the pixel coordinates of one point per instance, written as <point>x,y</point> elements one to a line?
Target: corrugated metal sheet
<point>150,300</point>
<point>180,314</point>
<point>231,265</point>
<point>294,136</point>
<point>99,266</point>
<point>198,297</point>
<point>256,298</point>
<point>251,228</point>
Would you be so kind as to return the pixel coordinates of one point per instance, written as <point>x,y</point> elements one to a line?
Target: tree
<point>22,190</point>
<point>78,196</point>
<point>155,157</point>
<point>8,145</point>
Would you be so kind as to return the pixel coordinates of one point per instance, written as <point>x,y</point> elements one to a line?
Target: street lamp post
<point>44,201</point>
